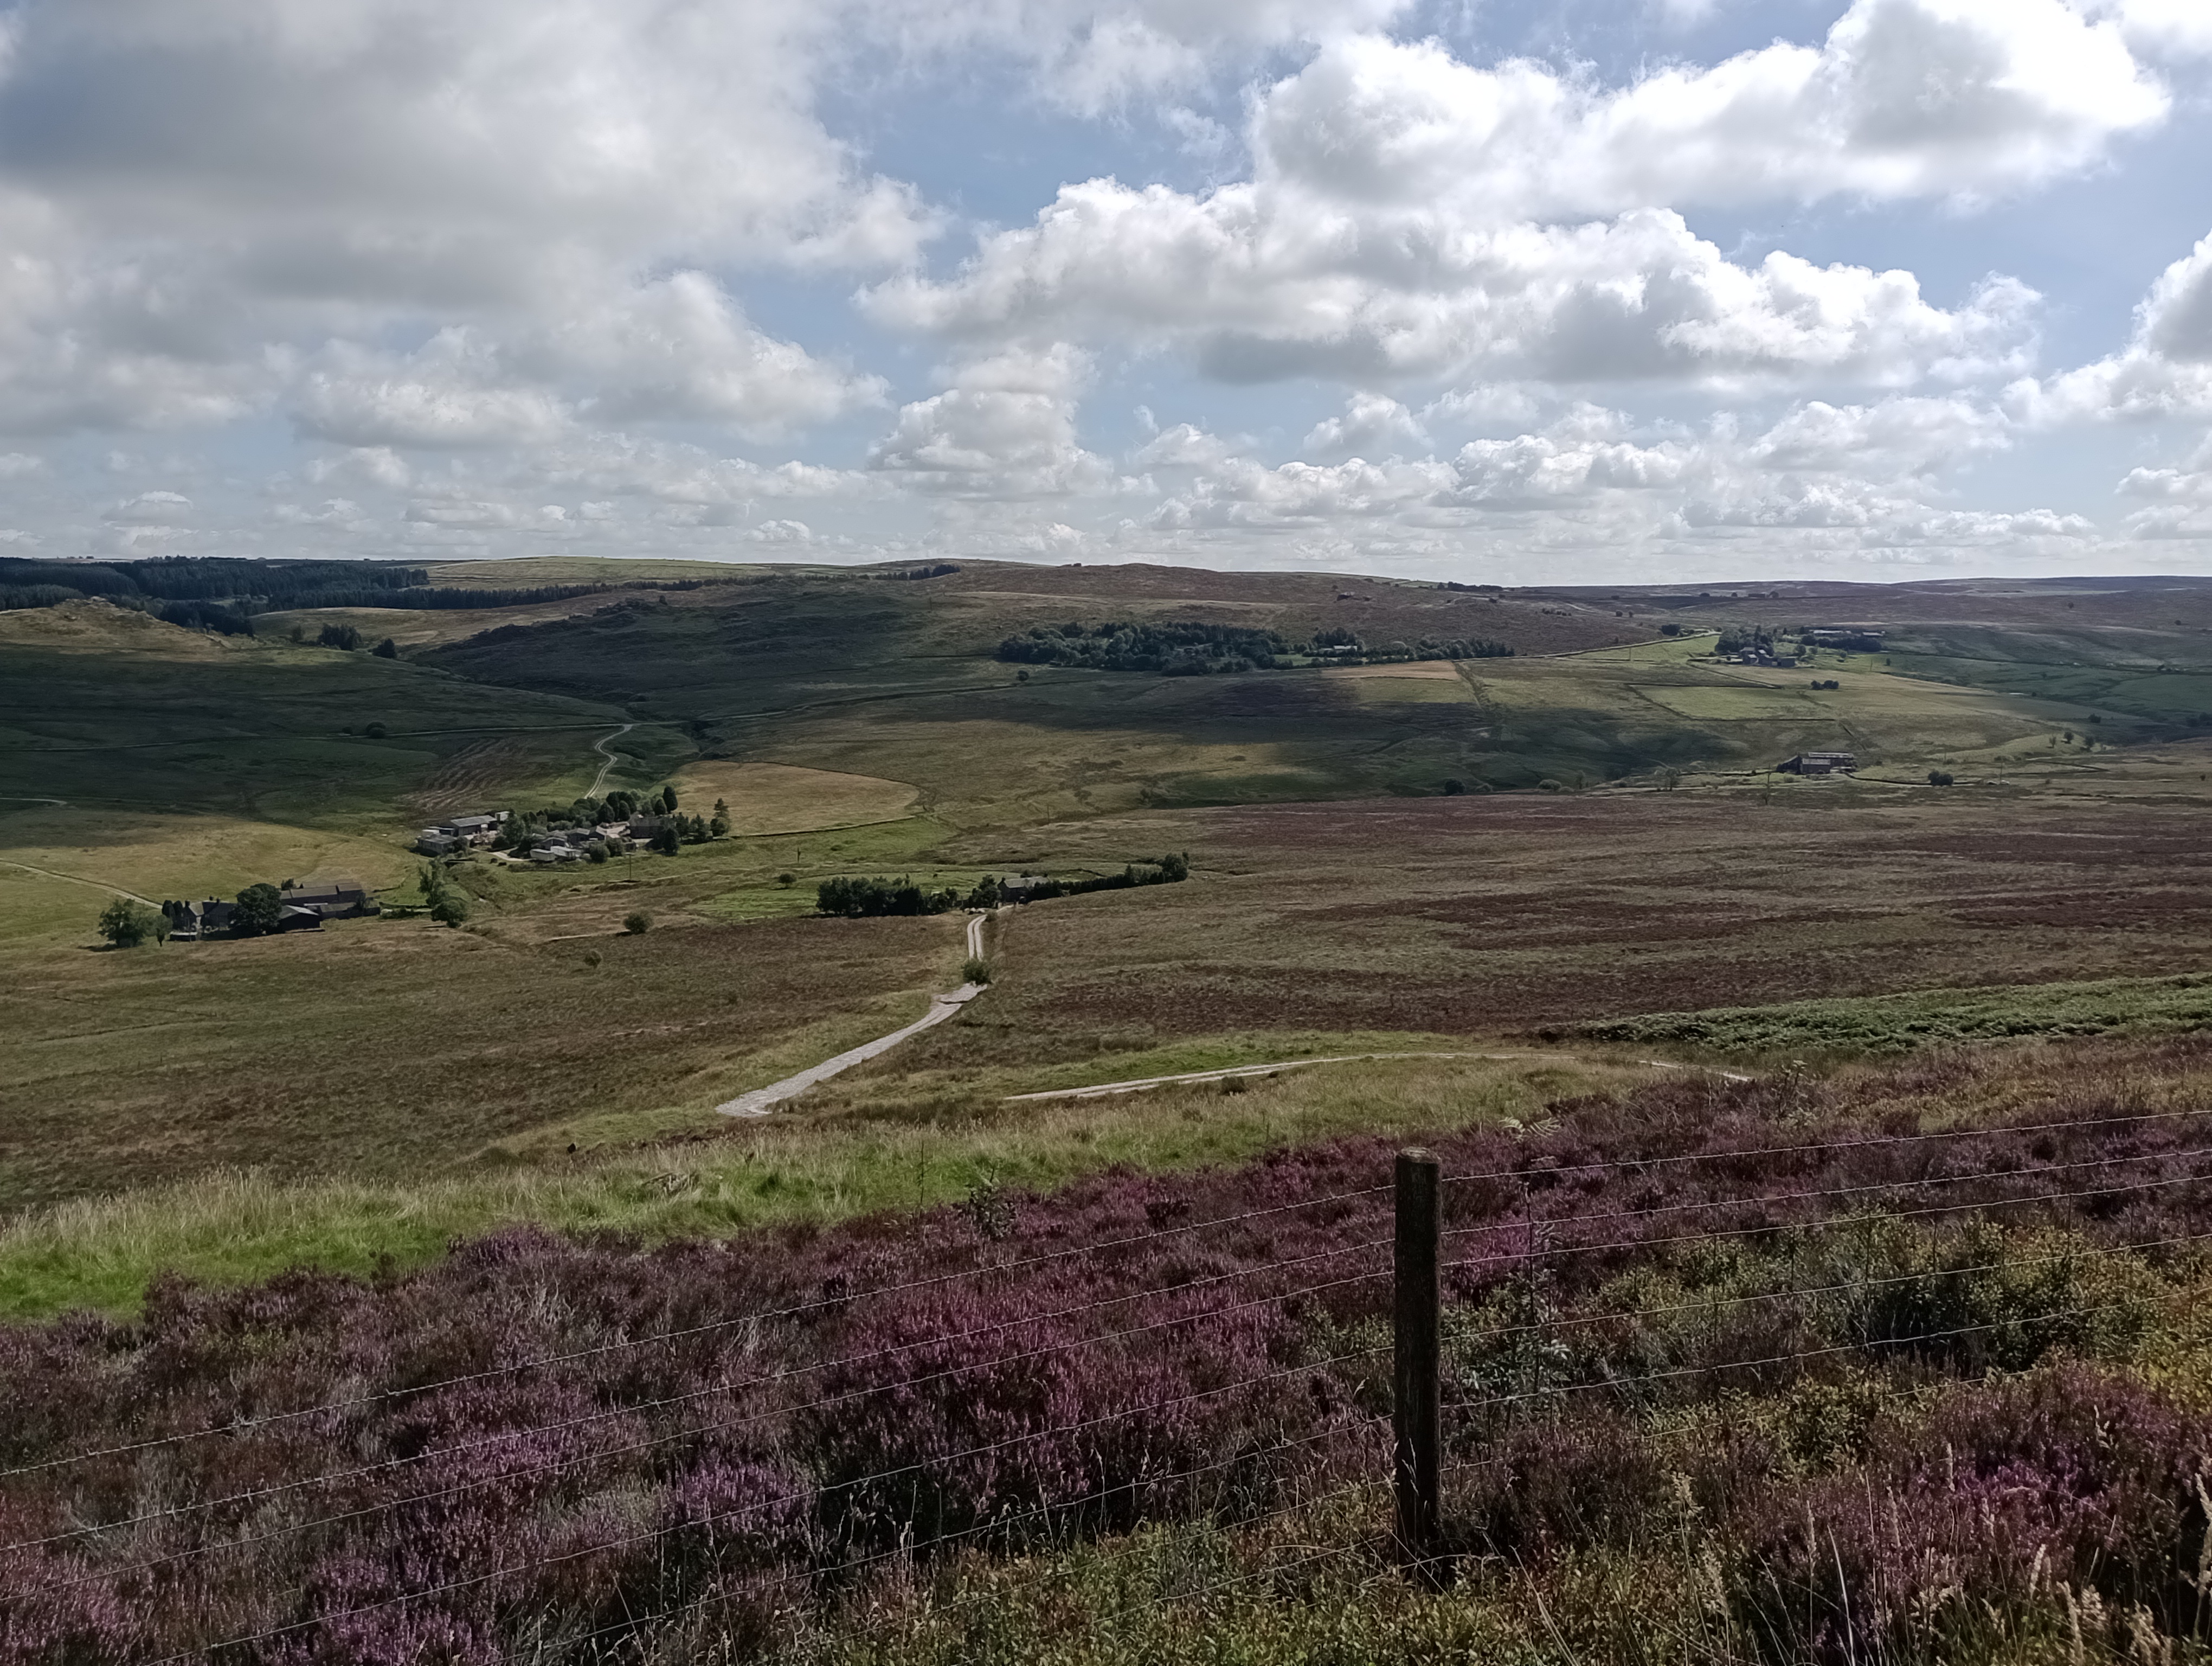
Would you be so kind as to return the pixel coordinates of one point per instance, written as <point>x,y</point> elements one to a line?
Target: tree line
<point>867,899</point>
<point>1195,649</point>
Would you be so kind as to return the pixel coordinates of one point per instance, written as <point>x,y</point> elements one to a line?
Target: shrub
<point>1939,777</point>
<point>1454,789</point>
<point>786,879</point>
<point>1670,628</point>
<point>376,732</point>
<point>975,969</point>
<point>126,924</point>
<point>1550,784</point>
<point>386,649</point>
<point>637,924</point>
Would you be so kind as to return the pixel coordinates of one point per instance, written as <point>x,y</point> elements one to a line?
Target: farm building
<point>461,833</point>
<point>1818,764</point>
<point>343,898</point>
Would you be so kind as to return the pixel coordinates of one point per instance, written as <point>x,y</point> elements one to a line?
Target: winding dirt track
<point>762,1100</point>
<point>604,747</point>
<point>1138,1085</point>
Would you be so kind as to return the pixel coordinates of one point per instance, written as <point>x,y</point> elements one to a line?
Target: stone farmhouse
<point>1818,764</point>
<point>304,908</point>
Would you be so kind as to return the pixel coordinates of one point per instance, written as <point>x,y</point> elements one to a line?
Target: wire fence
<point>1367,1355</point>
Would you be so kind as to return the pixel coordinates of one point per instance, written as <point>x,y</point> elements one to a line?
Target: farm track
<point>762,1100</point>
<point>1142,1084</point>
<point>605,747</point>
<point>78,879</point>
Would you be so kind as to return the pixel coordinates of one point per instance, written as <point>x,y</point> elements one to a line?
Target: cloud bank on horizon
<point>1876,289</point>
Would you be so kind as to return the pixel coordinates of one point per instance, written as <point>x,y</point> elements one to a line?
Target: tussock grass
<point>236,1225</point>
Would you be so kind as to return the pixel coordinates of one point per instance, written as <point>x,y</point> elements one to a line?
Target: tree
<point>126,924</point>
<point>720,825</point>
<point>260,909</point>
<point>339,636</point>
<point>668,800</point>
<point>1454,789</point>
<point>1939,777</point>
<point>386,649</point>
<point>666,841</point>
<point>452,908</point>
<point>638,924</point>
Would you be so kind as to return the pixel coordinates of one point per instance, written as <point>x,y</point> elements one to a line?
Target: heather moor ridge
<point>1821,1149</point>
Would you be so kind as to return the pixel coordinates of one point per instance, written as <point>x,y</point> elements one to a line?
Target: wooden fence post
<point>1416,1390</point>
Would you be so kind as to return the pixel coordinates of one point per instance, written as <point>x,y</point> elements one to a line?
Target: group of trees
<point>863,899</point>
<point>1195,649</point>
<point>1183,649</point>
<point>126,924</point>
<point>868,899</point>
<point>1743,639</point>
<point>448,904</point>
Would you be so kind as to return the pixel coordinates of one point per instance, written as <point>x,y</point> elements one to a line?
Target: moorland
<point>1546,904</point>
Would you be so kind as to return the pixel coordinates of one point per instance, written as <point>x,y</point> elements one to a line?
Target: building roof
<point>341,890</point>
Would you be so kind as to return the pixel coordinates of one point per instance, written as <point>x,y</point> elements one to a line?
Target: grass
<point>1896,1023</point>
<point>402,1050</point>
<point>1481,916</point>
<point>859,725</point>
<point>779,798</point>
<point>149,718</point>
<point>817,1164</point>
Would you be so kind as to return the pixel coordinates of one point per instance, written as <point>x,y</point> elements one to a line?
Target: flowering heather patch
<point>1743,1302</point>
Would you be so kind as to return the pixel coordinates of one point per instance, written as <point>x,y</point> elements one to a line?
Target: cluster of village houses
<point>556,845</point>
<point>305,905</point>
<point>1850,638</point>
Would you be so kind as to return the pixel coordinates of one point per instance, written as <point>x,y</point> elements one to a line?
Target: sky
<point>1582,291</point>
